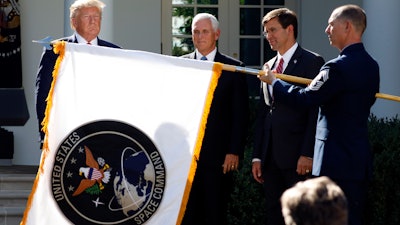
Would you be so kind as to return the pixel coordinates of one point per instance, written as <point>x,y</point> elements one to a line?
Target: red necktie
<point>279,68</point>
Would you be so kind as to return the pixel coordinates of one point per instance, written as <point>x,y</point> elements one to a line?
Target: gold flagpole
<point>294,79</point>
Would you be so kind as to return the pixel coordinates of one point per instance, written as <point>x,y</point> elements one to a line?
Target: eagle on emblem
<point>92,174</point>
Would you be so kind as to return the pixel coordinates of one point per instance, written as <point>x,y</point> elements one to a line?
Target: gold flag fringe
<point>58,48</point>
<point>216,73</point>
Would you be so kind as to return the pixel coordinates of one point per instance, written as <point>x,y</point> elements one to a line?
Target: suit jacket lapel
<point>293,61</point>
<point>72,39</point>
<point>218,57</point>
<point>192,55</point>
<point>100,42</point>
<point>267,95</point>
<point>288,70</point>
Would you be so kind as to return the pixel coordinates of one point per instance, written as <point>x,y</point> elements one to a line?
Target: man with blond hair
<point>85,19</point>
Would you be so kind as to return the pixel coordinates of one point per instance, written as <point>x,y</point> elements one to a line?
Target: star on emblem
<point>97,202</point>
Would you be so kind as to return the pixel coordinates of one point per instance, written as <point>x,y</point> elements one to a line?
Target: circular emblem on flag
<point>108,172</point>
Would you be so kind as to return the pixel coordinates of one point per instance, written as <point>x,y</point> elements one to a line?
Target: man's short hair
<point>285,17</point>
<point>202,16</point>
<point>353,13</point>
<point>317,201</point>
<point>79,4</point>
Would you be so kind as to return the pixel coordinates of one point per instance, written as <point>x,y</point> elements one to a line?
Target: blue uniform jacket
<point>345,91</point>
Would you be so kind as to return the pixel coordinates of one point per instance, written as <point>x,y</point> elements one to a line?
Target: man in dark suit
<point>85,17</point>
<point>284,134</point>
<point>225,134</point>
<point>345,91</point>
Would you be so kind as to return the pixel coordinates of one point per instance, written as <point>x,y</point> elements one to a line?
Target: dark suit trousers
<point>356,194</point>
<point>276,181</point>
<point>208,197</point>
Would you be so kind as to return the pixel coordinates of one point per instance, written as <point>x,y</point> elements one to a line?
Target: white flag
<point>123,130</point>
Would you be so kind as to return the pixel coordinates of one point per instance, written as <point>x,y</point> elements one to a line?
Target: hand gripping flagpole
<point>294,79</point>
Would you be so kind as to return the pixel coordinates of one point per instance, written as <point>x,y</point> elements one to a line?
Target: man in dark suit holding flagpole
<point>225,134</point>
<point>285,134</point>
<point>85,18</point>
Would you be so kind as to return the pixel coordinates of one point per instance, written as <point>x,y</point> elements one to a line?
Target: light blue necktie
<point>203,58</point>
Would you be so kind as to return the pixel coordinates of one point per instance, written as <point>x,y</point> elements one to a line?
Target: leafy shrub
<point>383,206</point>
<point>247,205</point>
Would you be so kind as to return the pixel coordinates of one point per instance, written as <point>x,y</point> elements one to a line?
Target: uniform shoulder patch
<point>319,80</point>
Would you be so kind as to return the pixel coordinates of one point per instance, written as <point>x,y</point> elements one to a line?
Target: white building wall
<point>137,24</point>
<point>39,18</point>
<point>314,15</point>
<point>382,41</point>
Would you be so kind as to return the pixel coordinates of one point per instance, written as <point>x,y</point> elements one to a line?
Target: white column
<point>381,40</point>
<point>67,26</point>
<point>106,22</point>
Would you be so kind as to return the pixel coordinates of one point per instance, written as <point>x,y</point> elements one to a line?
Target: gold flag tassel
<point>59,48</point>
<point>216,73</point>
<point>294,79</point>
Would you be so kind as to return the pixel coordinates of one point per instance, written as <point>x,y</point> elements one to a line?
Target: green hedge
<point>383,207</point>
<point>247,205</point>
<point>384,196</point>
